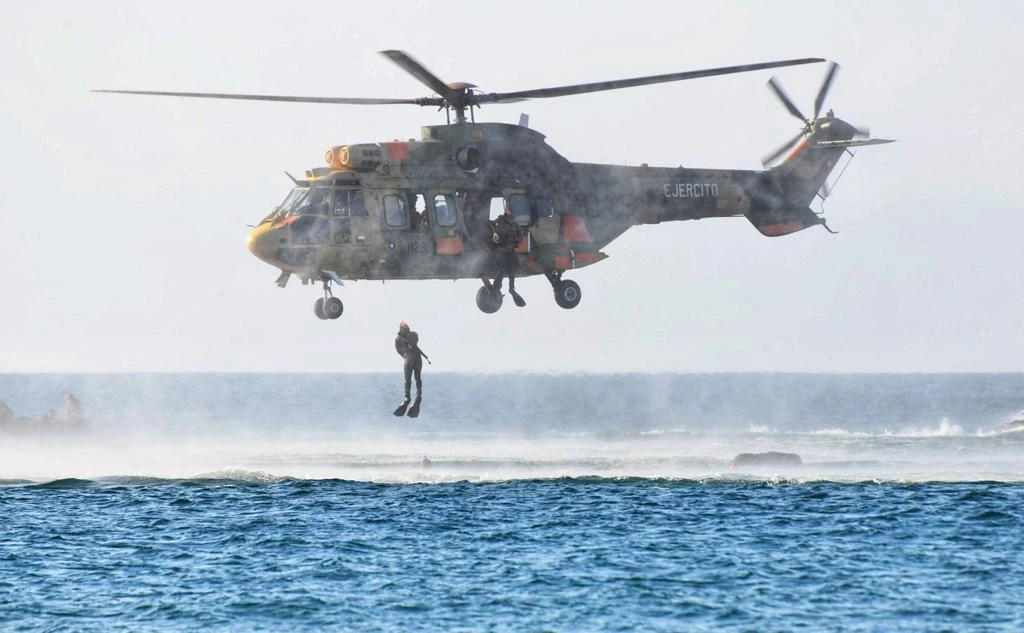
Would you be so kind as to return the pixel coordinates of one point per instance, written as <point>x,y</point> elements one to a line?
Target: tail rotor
<point>808,127</point>
<point>827,131</point>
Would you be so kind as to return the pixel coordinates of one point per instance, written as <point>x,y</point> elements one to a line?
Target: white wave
<point>831,454</point>
<point>946,428</point>
<point>837,432</point>
<point>240,475</point>
<point>668,431</point>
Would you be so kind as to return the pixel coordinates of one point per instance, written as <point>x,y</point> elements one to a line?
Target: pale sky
<point>124,218</point>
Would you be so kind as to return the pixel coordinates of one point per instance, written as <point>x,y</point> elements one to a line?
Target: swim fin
<point>414,410</point>
<point>400,411</point>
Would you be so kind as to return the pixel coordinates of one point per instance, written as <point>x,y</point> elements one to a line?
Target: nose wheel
<point>328,306</point>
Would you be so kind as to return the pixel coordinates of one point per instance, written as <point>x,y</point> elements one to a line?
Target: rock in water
<point>761,460</point>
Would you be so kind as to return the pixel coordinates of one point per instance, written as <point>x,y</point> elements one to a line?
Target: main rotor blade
<point>768,160</point>
<point>826,83</point>
<point>561,91</point>
<point>419,71</point>
<point>290,99</point>
<point>786,101</point>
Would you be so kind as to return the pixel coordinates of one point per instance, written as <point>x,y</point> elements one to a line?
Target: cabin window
<point>444,210</point>
<point>395,212</point>
<point>520,207</point>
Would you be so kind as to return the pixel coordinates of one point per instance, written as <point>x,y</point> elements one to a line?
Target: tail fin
<point>805,170</point>
<point>780,198</point>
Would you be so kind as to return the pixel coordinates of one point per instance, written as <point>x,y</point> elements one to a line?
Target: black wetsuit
<point>505,236</point>
<point>406,344</point>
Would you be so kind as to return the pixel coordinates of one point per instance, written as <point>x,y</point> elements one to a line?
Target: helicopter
<point>422,209</point>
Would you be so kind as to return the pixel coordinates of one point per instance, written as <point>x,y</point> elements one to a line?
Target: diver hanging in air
<point>407,346</point>
<point>505,237</point>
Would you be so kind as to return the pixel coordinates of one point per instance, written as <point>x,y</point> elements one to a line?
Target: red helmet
<point>403,326</point>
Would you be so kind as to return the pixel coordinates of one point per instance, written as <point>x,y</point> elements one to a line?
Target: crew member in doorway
<point>505,236</point>
<point>407,346</point>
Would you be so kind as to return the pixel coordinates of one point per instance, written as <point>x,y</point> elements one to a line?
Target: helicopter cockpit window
<point>293,199</point>
<point>316,202</point>
<point>395,212</point>
<point>348,202</point>
<point>339,203</point>
<point>520,206</point>
<point>357,203</point>
<point>444,210</point>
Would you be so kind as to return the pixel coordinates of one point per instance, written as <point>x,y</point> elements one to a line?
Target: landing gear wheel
<point>488,300</point>
<point>329,306</point>
<point>332,308</point>
<point>568,294</point>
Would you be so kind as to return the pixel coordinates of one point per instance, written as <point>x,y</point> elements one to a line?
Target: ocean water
<point>252,502</point>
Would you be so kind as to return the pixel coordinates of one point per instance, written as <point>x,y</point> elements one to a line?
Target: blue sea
<point>515,502</point>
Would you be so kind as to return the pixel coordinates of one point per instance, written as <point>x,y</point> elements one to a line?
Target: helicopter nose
<point>262,241</point>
